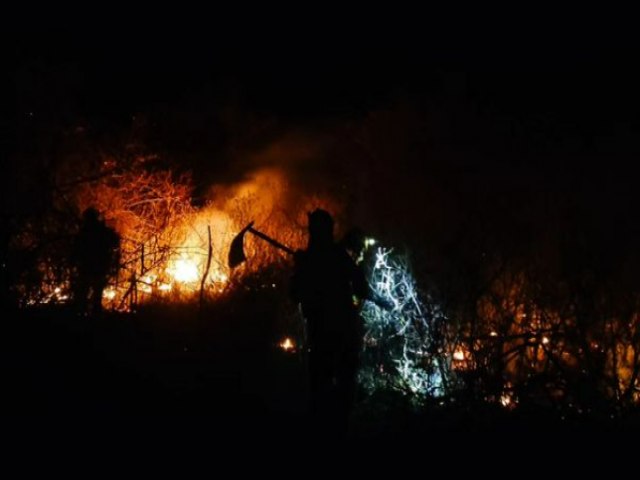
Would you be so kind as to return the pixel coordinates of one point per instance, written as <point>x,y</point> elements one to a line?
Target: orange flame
<point>287,345</point>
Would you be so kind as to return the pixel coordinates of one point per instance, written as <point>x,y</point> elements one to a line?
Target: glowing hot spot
<point>184,271</point>
<point>287,345</point>
<point>109,294</point>
<point>458,355</point>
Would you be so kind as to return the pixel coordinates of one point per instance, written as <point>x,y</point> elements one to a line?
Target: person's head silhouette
<point>91,215</point>
<point>320,228</point>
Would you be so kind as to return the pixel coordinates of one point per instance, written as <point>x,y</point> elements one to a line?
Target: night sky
<point>479,118</point>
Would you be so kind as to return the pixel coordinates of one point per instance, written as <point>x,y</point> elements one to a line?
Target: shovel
<point>236,251</point>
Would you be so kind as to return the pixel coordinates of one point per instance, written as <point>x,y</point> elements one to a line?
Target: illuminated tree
<point>405,347</point>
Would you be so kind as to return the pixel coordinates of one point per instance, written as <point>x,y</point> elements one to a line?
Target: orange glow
<point>184,270</point>
<point>168,244</point>
<point>109,294</point>
<point>218,277</point>
<point>506,400</point>
<point>287,345</point>
<point>458,355</point>
<point>461,358</point>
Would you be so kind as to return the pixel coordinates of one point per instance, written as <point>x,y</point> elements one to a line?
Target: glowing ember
<point>184,270</point>
<point>458,355</point>
<point>506,400</point>
<point>109,294</point>
<point>545,340</point>
<point>287,345</point>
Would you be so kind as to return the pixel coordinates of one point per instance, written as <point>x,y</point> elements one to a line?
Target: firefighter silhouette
<point>95,257</point>
<point>328,284</point>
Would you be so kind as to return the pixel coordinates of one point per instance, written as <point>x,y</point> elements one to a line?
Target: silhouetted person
<point>327,283</point>
<point>95,257</point>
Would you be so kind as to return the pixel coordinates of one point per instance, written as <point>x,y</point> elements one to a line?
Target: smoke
<point>286,176</point>
<point>367,168</point>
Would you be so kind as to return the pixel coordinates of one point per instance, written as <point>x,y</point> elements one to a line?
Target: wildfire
<point>171,246</point>
<point>168,245</point>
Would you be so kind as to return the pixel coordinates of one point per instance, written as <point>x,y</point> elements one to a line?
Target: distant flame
<point>508,401</point>
<point>461,358</point>
<point>458,355</point>
<point>287,344</point>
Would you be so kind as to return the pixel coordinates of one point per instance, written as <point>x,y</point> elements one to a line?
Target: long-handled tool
<point>236,251</point>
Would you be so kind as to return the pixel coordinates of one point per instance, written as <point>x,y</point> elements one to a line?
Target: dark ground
<point>124,370</point>
<point>151,376</point>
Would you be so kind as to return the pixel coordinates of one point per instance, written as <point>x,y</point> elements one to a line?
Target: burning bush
<point>169,247</point>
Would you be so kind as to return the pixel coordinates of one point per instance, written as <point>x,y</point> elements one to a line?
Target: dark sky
<point>526,107</point>
<point>111,71</point>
